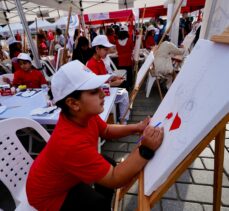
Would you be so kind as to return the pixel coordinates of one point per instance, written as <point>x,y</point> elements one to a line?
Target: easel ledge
<point>218,132</point>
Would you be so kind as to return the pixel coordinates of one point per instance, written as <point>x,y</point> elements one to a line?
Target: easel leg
<point>159,88</point>
<point>143,201</point>
<point>218,173</point>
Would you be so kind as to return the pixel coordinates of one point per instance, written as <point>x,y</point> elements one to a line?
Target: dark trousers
<point>83,197</point>
<point>129,78</point>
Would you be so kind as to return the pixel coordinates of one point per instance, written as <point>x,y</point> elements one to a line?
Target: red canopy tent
<point>192,5</point>
<point>117,16</point>
<point>126,15</point>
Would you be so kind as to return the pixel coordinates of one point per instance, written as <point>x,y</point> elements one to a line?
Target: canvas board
<point>197,100</point>
<point>137,47</point>
<point>144,68</point>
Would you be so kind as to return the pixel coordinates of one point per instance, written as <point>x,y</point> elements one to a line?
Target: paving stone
<point>114,146</point>
<point>130,203</point>
<point>118,156</point>
<point>207,177</point>
<point>137,118</point>
<point>172,205</point>
<point>142,113</point>
<point>227,126</point>
<point>210,208</point>
<point>227,143</point>
<point>202,176</point>
<point>227,134</point>
<point>225,196</point>
<point>197,193</point>
<point>212,145</point>
<point>171,193</point>
<point>207,153</point>
<point>226,162</point>
<point>185,177</point>
<point>208,163</point>
<point>197,164</point>
<point>134,188</point>
<point>129,139</point>
<point>131,147</point>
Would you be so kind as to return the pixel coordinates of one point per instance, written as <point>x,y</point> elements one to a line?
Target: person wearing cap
<point>27,75</point>
<point>69,174</point>
<point>125,46</point>
<point>100,46</point>
<point>15,48</point>
<point>149,39</point>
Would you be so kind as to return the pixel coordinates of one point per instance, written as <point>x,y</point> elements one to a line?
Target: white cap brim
<point>94,82</point>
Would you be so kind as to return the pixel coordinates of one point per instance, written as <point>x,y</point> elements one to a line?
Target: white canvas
<point>144,69</point>
<point>199,96</point>
<point>137,47</point>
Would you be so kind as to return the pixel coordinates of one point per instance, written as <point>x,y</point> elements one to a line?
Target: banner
<point>98,16</point>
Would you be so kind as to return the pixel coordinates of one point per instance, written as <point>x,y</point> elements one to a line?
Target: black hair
<point>82,41</point>
<point>123,35</point>
<point>62,103</point>
<point>97,46</point>
<point>58,31</point>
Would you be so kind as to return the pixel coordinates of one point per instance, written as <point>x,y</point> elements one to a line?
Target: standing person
<point>82,52</point>
<point>15,48</point>
<point>100,47</point>
<point>27,75</point>
<point>111,35</point>
<point>149,40</point>
<point>3,54</point>
<point>60,37</point>
<point>63,174</point>
<point>163,60</point>
<point>125,46</point>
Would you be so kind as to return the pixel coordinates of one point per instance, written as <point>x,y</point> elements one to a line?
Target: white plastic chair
<point>118,72</point>
<point>60,55</point>
<point>10,76</point>
<point>15,161</point>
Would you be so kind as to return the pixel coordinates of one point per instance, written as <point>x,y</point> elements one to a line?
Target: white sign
<point>98,16</point>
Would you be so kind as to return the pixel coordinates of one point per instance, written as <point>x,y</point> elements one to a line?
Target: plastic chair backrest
<point>15,161</point>
<point>60,55</point>
<point>10,76</point>
<point>113,66</point>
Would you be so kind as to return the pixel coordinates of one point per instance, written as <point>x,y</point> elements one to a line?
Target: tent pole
<point>27,31</point>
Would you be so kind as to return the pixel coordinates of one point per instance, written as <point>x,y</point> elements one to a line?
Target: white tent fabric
<point>15,27</point>
<point>41,24</point>
<point>62,22</point>
<point>0,30</point>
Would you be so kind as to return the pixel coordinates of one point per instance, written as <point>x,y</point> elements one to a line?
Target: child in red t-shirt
<point>62,175</point>
<point>27,75</point>
<point>125,46</point>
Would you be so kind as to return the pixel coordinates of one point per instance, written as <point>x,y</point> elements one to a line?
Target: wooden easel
<point>137,88</point>
<point>65,56</point>
<point>217,133</point>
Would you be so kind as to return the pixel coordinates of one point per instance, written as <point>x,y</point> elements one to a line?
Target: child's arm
<point>118,131</point>
<point>121,174</point>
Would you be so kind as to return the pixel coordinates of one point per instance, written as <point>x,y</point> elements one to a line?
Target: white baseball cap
<point>12,40</point>
<point>74,76</point>
<point>124,28</point>
<point>24,56</point>
<point>101,40</point>
<point>150,28</point>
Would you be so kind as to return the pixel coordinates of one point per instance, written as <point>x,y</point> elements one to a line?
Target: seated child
<point>27,74</point>
<point>100,46</point>
<point>70,174</point>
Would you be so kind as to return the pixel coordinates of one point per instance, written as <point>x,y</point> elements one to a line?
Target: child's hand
<point>116,82</point>
<point>140,127</point>
<point>153,137</point>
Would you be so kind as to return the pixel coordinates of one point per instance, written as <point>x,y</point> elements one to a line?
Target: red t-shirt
<point>70,157</point>
<point>32,78</point>
<point>149,42</point>
<point>97,66</point>
<point>125,53</point>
